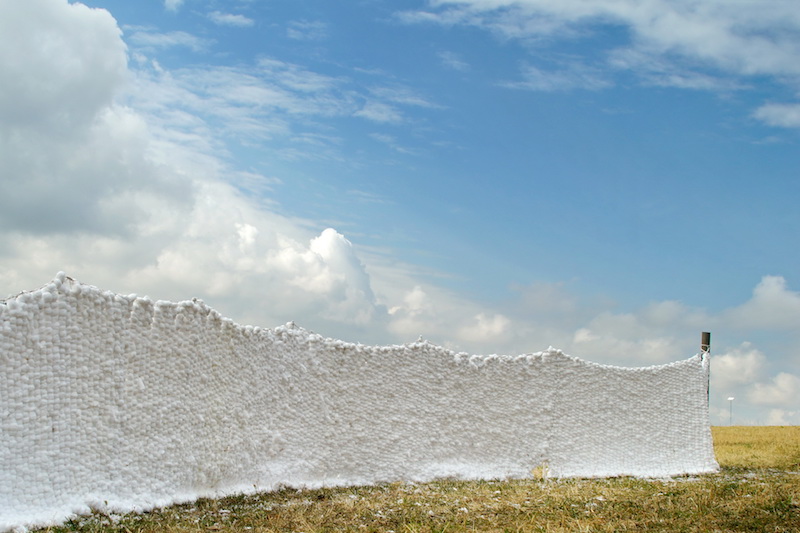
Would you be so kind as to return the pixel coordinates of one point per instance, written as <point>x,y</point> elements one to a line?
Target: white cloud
<point>304,30</point>
<point>568,77</point>
<point>71,157</point>
<point>453,61</point>
<point>366,197</point>
<point>229,19</point>
<point>391,142</point>
<point>510,20</point>
<point>584,335</point>
<point>625,349</point>
<point>485,327</point>
<point>402,95</point>
<point>246,103</point>
<point>783,417</point>
<point>268,101</point>
<point>440,316</point>
<point>782,391</point>
<point>382,104</point>
<point>414,315</point>
<point>379,112</point>
<point>173,5</point>
<point>772,306</point>
<point>666,313</point>
<point>55,76</point>
<point>664,72</point>
<point>543,301</point>
<point>783,115</point>
<point>298,78</point>
<point>134,199</point>
<point>657,333</point>
<point>689,45</point>
<point>353,297</point>
<point>742,365</point>
<point>445,18</point>
<point>254,261</point>
<point>149,40</point>
<point>416,302</point>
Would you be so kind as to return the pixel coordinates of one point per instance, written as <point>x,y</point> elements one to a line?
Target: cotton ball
<point>60,278</point>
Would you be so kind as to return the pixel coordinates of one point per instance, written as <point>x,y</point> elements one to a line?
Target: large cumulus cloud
<point>98,189</point>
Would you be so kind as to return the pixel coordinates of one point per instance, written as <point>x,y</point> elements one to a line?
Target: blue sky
<point>607,177</point>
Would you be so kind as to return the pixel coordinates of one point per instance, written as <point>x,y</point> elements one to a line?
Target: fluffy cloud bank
<point>108,177</point>
<point>112,173</point>
<point>119,201</point>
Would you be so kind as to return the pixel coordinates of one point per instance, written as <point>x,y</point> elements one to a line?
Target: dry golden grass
<point>757,490</point>
<point>758,446</point>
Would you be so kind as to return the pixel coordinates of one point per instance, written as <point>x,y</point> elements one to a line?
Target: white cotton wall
<point>125,403</point>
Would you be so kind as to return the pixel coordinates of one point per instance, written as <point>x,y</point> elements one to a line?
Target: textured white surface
<point>126,403</point>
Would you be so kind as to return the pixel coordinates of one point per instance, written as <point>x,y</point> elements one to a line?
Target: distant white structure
<point>730,402</point>
<point>126,403</point>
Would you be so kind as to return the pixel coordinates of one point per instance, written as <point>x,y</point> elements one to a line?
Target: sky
<point>607,177</point>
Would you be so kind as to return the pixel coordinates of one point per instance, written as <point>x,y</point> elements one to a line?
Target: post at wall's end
<point>705,342</point>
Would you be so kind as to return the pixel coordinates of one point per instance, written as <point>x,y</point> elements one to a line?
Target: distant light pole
<point>730,402</point>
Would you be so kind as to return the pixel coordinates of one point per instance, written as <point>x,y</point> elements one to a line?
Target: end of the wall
<point>705,353</point>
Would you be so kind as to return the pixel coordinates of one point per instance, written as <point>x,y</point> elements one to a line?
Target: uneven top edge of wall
<point>63,286</point>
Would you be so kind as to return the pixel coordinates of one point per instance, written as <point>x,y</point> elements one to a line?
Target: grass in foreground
<point>757,490</point>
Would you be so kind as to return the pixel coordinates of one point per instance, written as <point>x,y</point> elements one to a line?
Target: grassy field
<point>758,489</point>
<point>776,447</point>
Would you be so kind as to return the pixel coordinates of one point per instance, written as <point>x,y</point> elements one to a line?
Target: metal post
<point>705,351</point>
<point>705,342</point>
